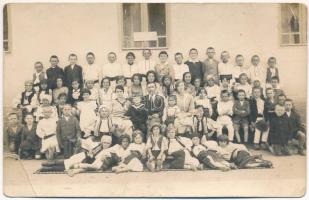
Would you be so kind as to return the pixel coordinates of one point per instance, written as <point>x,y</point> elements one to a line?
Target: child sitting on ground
<point>46,130</point>
<point>239,155</point>
<point>209,158</point>
<point>128,160</point>
<point>138,147</point>
<point>156,147</point>
<point>180,150</point>
<point>30,143</point>
<point>241,110</point>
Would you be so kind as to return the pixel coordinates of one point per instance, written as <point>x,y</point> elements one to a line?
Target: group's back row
<point>223,69</point>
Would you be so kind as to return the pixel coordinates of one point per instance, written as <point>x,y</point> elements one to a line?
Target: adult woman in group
<point>185,102</point>
<point>120,106</point>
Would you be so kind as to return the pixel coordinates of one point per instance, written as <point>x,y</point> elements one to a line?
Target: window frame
<point>8,27</point>
<point>144,23</point>
<point>290,33</point>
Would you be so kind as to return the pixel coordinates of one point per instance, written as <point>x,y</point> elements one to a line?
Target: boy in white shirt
<point>92,71</point>
<point>212,89</point>
<point>147,63</point>
<point>225,111</point>
<point>256,72</point>
<point>179,67</point>
<point>225,69</point>
<point>130,68</point>
<point>239,68</point>
<point>112,69</point>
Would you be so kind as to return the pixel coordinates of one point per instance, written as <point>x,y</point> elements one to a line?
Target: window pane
<point>303,24</point>
<point>285,39</point>
<point>156,17</point>
<point>162,42</point>
<point>131,23</point>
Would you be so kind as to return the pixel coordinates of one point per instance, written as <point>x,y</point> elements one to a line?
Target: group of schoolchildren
<point>188,115</point>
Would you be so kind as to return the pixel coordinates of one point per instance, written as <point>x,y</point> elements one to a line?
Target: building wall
<point>40,30</point>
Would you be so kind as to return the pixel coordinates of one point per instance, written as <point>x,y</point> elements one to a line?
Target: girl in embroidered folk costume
<point>156,147</point>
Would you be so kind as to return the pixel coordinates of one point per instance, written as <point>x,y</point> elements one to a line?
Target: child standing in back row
<point>195,65</point>
<point>272,70</point>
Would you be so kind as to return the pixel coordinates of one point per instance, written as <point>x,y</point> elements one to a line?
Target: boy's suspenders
<point>190,150</point>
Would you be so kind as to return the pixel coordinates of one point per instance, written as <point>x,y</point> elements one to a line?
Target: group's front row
<point>160,152</point>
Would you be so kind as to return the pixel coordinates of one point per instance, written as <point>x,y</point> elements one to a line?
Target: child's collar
<point>194,61</point>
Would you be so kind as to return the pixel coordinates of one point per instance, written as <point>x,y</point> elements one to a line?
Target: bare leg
<point>236,130</point>
<point>246,132</point>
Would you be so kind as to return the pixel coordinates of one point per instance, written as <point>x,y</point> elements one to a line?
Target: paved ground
<point>287,178</point>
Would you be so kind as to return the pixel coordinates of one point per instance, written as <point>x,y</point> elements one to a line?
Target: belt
<point>48,136</point>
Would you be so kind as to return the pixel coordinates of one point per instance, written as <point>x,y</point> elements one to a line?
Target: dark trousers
<point>178,160</point>
<point>68,148</point>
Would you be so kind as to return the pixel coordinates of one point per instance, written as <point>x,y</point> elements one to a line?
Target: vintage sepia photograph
<point>141,99</point>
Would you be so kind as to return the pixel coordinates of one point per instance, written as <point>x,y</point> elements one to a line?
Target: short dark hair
<point>178,54</point>
<point>91,54</point>
<point>241,90</point>
<point>54,56</point>
<point>130,54</point>
<point>121,77</point>
<point>147,50</point>
<point>85,91</point>
<point>224,92</point>
<point>162,53</point>
<point>199,90</point>
<point>62,95</point>
<point>38,62</point>
<point>275,78</point>
<point>119,87</point>
<point>271,58</point>
<point>193,49</point>
<point>209,48</point>
<point>238,55</point>
<point>72,55</point>
<point>13,113</point>
<point>255,56</point>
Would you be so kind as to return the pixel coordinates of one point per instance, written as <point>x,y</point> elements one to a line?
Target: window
<point>146,20</point>
<point>5,29</point>
<point>293,24</point>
